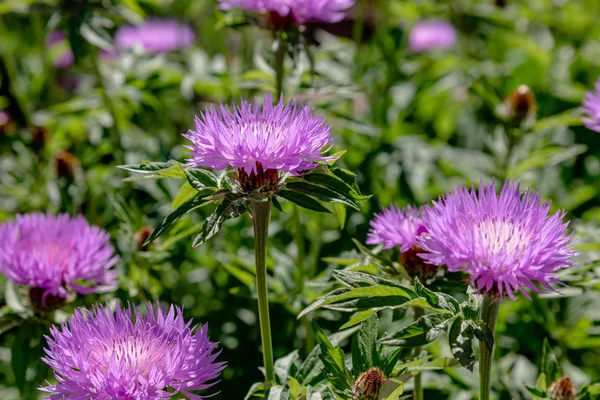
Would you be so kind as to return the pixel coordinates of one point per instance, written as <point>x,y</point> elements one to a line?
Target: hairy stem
<point>489,315</point>
<point>261,214</point>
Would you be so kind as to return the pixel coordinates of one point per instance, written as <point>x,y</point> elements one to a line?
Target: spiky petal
<point>395,227</point>
<point>506,242</point>
<point>287,138</point>
<point>127,355</point>
<point>591,109</point>
<point>55,253</point>
<point>301,10</point>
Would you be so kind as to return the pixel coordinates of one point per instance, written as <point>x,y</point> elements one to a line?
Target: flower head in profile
<point>62,55</point>
<point>506,242</point>
<point>300,10</point>
<point>260,141</point>
<point>395,227</point>
<point>155,36</point>
<point>591,109</point>
<point>127,355</point>
<point>55,254</point>
<point>432,35</point>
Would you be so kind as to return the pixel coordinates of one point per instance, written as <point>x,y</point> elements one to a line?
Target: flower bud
<point>415,266</point>
<point>259,179</point>
<point>140,237</point>
<point>563,389</point>
<point>44,303</point>
<point>520,103</point>
<point>39,137</point>
<point>65,165</point>
<point>368,385</point>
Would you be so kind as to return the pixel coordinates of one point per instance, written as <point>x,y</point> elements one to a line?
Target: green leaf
<point>9,322</point>
<point>537,393</point>
<point>200,178</point>
<point>303,200</point>
<point>185,193</point>
<point>425,330</point>
<point>436,299</point>
<point>96,35</point>
<point>363,346</point>
<point>283,366</point>
<point>335,184</point>
<point>340,212</point>
<point>460,338</point>
<point>550,365</point>
<point>20,356</point>
<point>154,170</point>
<point>225,210</point>
<point>358,317</point>
<point>322,193</point>
<point>482,333</point>
<point>333,361</point>
<point>546,157</point>
<point>391,389</point>
<point>177,214</point>
<point>276,204</point>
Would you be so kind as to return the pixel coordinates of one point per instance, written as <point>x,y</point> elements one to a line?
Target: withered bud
<point>39,303</point>
<point>369,384</point>
<point>563,389</point>
<point>259,180</point>
<point>39,137</point>
<point>140,237</point>
<point>520,103</point>
<point>415,266</point>
<point>65,164</point>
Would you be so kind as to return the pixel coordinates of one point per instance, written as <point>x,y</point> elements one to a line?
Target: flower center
<point>501,237</point>
<point>51,252</point>
<point>140,354</point>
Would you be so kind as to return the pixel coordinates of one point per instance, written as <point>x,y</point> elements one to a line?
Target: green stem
<point>489,315</point>
<point>418,391</point>
<point>261,214</point>
<point>279,64</point>
<point>300,258</point>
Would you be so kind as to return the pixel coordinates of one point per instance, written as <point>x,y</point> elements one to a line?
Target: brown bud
<point>65,164</point>
<point>39,303</point>
<point>368,385</point>
<point>39,137</point>
<point>415,266</point>
<point>275,22</point>
<point>140,237</point>
<point>520,103</point>
<point>563,389</point>
<point>259,180</point>
<point>500,3</point>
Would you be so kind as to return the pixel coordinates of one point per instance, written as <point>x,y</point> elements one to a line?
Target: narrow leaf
<point>303,200</point>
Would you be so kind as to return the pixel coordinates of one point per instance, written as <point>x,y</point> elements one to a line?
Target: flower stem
<point>418,390</point>
<point>261,214</point>
<point>279,64</point>
<point>489,315</point>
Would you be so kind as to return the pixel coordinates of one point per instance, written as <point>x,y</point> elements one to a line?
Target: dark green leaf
<point>322,193</point>
<point>483,333</point>
<point>225,210</point>
<point>363,346</point>
<point>276,204</point>
<point>536,392</point>
<point>460,338</point>
<point>303,200</point>
<point>200,178</point>
<point>550,365</point>
<point>20,356</point>
<point>425,330</point>
<point>335,184</point>
<point>333,361</point>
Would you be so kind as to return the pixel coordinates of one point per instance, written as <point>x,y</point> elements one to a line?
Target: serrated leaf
<point>177,214</point>
<point>460,338</point>
<point>322,193</point>
<point>303,200</point>
<point>424,331</point>
<point>212,225</point>
<point>333,362</point>
<point>363,345</point>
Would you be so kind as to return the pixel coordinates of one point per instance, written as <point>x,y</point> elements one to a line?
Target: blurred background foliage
<point>413,125</point>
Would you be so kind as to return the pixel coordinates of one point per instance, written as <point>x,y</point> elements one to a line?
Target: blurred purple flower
<point>302,10</point>
<point>591,109</point>
<point>126,355</point>
<point>155,36</point>
<point>62,55</point>
<point>430,35</point>
<point>395,227</point>
<point>52,253</point>
<point>506,242</point>
<point>288,138</point>
<point>4,118</point>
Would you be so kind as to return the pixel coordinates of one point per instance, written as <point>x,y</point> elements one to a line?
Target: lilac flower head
<point>288,138</point>
<point>395,227</point>
<point>51,253</point>
<point>155,36</point>
<point>506,242</point>
<point>59,47</point>
<point>591,109</point>
<point>125,355</point>
<point>301,10</point>
<point>430,35</point>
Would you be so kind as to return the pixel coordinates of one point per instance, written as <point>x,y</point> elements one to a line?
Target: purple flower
<point>155,36</point>
<point>288,138</point>
<point>54,253</point>
<point>394,227</point>
<point>506,242</point>
<point>432,34</point>
<point>301,10</point>
<point>591,109</point>
<point>62,55</point>
<point>4,118</point>
<point>125,355</point>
